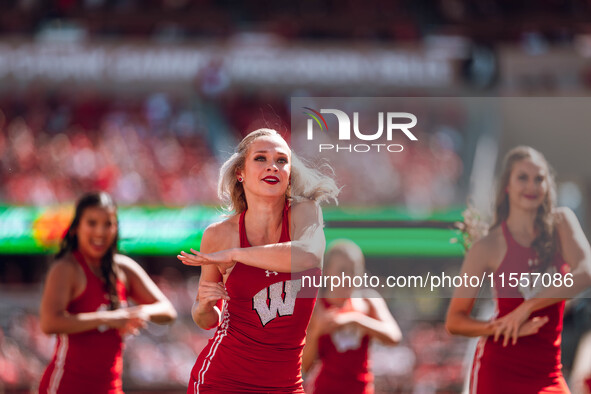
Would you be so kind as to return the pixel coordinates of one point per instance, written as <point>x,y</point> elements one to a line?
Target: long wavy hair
<point>70,242</point>
<point>545,241</point>
<point>306,182</point>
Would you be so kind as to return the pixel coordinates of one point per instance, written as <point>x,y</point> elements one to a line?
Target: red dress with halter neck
<point>257,347</point>
<point>345,359</point>
<point>532,365</point>
<point>90,361</point>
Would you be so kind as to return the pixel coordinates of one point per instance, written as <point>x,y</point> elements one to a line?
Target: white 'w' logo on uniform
<point>277,304</point>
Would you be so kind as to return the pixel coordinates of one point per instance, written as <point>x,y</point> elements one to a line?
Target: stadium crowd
<point>155,150</point>
<point>166,20</point>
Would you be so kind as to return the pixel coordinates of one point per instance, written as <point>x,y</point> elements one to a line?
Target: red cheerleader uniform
<point>257,348</point>
<point>90,361</point>
<point>345,360</point>
<point>533,364</point>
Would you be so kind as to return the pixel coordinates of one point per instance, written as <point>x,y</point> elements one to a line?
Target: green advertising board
<point>379,231</point>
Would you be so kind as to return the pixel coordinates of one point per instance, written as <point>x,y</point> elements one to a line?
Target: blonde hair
<point>306,182</point>
<point>349,249</point>
<point>544,244</point>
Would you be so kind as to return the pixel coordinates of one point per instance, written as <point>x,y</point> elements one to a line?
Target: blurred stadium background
<point>145,99</point>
